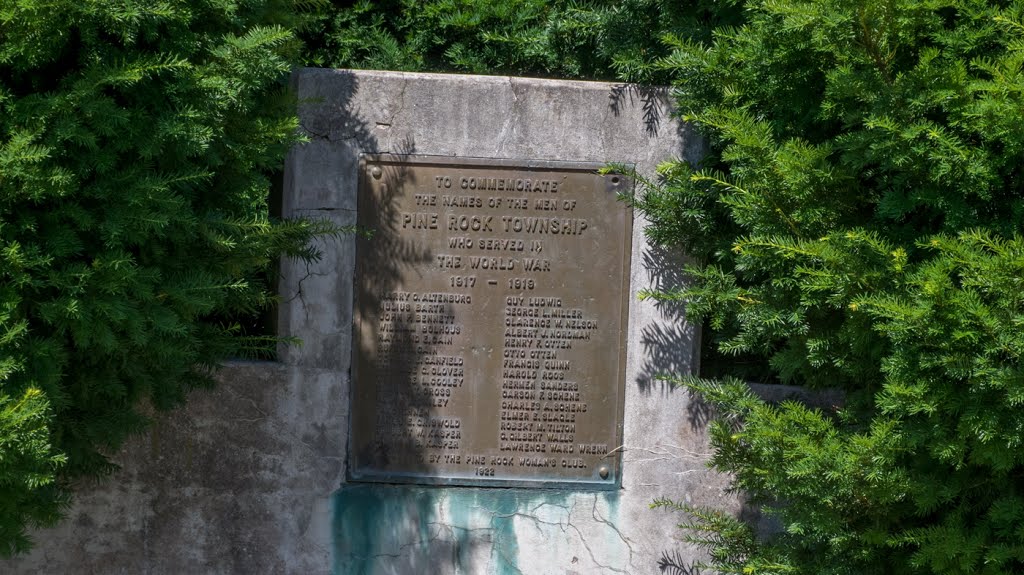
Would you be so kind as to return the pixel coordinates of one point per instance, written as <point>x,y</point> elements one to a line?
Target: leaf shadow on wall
<point>387,526</point>
<point>654,101</point>
<point>391,336</point>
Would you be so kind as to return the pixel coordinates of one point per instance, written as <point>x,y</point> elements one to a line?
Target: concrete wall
<point>250,477</point>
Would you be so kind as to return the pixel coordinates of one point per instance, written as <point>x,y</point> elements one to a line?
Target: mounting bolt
<point>375,172</point>
<point>603,472</point>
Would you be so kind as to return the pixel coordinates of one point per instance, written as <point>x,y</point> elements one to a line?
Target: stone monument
<point>476,391</point>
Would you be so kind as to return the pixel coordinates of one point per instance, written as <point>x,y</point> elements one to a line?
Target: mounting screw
<point>376,172</point>
<point>603,472</point>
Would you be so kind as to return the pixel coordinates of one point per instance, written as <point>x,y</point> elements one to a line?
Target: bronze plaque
<point>491,303</point>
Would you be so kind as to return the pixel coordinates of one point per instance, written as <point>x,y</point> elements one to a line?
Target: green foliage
<point>856,227</point>
<point>136,139</point>
<point>592,39</point>
<point>28,467</point>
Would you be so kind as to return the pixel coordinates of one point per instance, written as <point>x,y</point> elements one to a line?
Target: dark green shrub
<point>590,39</point>
<point>857,228</point>
<point>136,139</point>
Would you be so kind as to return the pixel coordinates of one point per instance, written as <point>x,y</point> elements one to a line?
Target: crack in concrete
<point>435,536</point>
<point>660,450</point>
<point>299,294</point>
<point>402,549</point>
<point>537,522</point>
<point>278,427</point>
<point>401,102</point>
<point>315,134</point>
<point>509,120</point>
<point>352,134</point>
<point>600,519</point>
<point>458,535</point>
<point>568,524</point>
<point>586,545</point>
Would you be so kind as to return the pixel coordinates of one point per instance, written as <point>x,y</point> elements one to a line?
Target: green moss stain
<point>475,512</point>
<point>610,513</point>
<point>372,522</point>
<point>418,529</point>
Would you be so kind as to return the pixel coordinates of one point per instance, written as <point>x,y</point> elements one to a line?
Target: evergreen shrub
<point>586,39</point>
<point>136,142</point>
<point>857,226</point>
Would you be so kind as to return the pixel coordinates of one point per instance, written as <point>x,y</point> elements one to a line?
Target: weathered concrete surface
<point>250,478</point>
<point>395,529</point>
<point>241,481</point>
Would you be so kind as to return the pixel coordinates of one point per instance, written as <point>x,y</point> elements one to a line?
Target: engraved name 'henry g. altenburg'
<point>491,303</point>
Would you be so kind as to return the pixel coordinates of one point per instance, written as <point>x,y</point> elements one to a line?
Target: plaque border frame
<point>614,483</point>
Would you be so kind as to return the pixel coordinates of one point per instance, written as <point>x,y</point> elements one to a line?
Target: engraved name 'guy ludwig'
<point>490,313</point>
